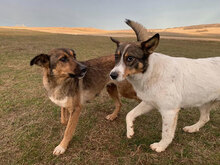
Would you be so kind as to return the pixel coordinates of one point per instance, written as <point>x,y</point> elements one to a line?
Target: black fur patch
<point>40,60</point>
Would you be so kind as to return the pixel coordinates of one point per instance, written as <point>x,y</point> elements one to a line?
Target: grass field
<point>30,123</point>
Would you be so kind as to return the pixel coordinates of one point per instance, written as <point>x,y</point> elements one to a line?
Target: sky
<point>108,14</point>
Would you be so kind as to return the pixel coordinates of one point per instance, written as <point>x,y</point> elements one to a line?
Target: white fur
<point>52,96</point>
<point>172,83</point>
<point>120,67</point>
<point>58,150</point>
<point>86,96</point>
<point>61,102</point>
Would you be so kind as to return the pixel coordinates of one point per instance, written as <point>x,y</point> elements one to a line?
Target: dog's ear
<point>41,60</point>
<point>72,53</point>
<point>115,41</point>
<point>151,44</point>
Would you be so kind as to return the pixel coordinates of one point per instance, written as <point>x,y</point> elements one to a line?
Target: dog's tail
<point>140,30</point>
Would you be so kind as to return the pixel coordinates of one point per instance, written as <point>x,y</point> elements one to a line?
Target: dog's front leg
<point>140,109</point>
<point>169,118</point>
<point>64,116</point>
<point>70,130</point>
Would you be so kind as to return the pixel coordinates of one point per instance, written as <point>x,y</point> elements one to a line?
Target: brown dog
<point>70,84</point>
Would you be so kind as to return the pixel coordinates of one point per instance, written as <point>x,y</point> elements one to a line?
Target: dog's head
<point>61,63</point>
<point>132,58</point>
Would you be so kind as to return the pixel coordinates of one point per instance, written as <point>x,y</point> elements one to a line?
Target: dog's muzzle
<point>83,70</point>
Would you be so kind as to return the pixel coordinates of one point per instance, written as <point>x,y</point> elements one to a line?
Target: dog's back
<point>194,81</point>
<point>200,80</point>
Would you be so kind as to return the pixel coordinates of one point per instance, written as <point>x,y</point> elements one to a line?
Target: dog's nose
<point>114,75</point>
<point>72,75</point>
<point>83,69</point>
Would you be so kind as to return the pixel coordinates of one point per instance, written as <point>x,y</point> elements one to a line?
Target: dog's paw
<point>157,147</point>
<point>111,117</point>
<point>130,132</point>
<point>58,150</point>
<point>191,129</point>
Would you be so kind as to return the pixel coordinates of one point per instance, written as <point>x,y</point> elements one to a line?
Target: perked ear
<point>41,60</point>
<point>115,41</point>
<point>151,44</point>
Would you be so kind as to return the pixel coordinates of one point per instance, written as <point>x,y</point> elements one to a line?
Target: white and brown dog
<point>166,83</point>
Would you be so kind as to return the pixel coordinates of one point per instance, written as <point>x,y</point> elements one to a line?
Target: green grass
<point>30,123</point>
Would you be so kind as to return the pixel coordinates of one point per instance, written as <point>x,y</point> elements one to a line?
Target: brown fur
<point>63,78</point>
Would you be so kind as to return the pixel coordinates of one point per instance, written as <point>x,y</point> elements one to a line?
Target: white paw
<point>130,132</point>
<point>111,117</point>
<point>191,129</point>
<point>58,150</point>
<point>157,147</point>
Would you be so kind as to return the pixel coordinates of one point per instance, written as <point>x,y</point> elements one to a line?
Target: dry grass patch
<point>30,123</point>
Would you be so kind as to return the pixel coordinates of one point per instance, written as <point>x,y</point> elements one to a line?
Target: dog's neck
<point>149,77</point>
<point>60,87</point>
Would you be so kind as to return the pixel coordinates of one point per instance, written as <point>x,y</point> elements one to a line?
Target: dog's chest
<point>86,96</point>
<point>57,97</point>
<point>60,102</point>
<point>141,88</point>
<point>141,93</point>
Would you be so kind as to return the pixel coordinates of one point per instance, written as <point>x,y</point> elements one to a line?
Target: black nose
<point>72,75</point>
<point>83,69</point>
<point>114,75</point>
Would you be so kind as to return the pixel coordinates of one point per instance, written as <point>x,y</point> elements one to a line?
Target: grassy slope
<point>30,124</point>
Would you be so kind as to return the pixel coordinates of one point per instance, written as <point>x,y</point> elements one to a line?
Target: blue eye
<point>64,59</point>
<point>130,59</point>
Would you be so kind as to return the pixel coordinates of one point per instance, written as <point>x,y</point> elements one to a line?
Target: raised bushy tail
<point>140,30</point>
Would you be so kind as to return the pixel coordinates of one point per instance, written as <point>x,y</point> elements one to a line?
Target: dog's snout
<point>114,75</point>
<point>72,75</point>
<point>83,69</point>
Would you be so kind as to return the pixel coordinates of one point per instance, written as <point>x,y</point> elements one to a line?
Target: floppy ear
<point>115,41</point>
<point>151,44</point>
<point>41,60</point>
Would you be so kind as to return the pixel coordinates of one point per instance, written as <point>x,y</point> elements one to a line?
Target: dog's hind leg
<point>113,92</point>
<point>140,109</point>
<point>64,116</point>
<point>204,118</point>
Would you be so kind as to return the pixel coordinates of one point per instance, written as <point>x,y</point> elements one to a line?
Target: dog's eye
<point>64,59</point>
<point>130,59</point>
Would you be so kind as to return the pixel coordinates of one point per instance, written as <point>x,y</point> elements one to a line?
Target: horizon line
<point>22,25</point>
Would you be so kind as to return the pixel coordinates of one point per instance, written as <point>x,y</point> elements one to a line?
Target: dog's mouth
<point>79,76</point>
<point>82,75</point>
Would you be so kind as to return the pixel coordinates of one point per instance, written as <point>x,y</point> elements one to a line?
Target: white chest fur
<point>61,102</point>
